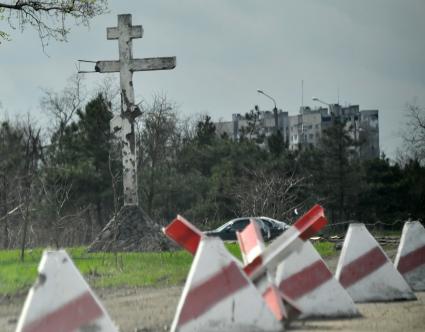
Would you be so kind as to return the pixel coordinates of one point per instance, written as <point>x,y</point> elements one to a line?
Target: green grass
<point>325,249</point>
<point>100,269</point>
<point>110,270</point>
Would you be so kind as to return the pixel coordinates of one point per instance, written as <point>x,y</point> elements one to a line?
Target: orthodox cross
<point>123,124</point>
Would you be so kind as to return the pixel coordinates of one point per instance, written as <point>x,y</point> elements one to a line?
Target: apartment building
<point>306,128</point>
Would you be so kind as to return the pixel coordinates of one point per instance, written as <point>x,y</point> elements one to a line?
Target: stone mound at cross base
<point>130,230</point>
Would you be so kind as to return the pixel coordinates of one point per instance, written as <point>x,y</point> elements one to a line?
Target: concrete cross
<point>124,123</point>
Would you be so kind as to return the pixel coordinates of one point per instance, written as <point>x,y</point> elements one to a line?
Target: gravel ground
<point>152,309</point>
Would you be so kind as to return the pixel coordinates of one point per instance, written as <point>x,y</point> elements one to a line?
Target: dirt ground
<point>152,309</point>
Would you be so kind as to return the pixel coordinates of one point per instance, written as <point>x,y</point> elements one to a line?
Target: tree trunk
<point>25,228</point>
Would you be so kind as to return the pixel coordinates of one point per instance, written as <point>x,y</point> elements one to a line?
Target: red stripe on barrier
<point>311,222</point>
<point>313,229</point>
<point>249,238</point>
<point>70,317</point>
<point>251,267</point>
<point>184,233</point>
<point>412,260</point>
<point>274,301</point>
<point>211,292</point>
<point>362,267</point>
<point>306,280</point>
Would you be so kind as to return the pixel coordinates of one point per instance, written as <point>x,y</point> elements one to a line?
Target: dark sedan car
<point>270,228</point>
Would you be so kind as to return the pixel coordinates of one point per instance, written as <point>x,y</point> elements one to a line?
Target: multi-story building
<point>306,128</point>
<point>255,126</point>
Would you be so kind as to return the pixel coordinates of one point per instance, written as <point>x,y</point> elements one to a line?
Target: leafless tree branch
<point>48,18</point>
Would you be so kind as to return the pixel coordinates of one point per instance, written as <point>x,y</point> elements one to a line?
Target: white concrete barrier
<point>252,245</point>
<point>61,300</point>
<point>261,266</point>
<point>218,296</point>
<point>305,278</point>
<point>366,272</point>
<point>410,259</point>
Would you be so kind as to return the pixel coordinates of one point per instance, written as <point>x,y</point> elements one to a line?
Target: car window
<point>263,225</point>
<point>239,225</point>
<point>267,222</point>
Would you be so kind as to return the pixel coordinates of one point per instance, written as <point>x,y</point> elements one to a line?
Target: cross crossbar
<point>136,31</point>
<point>137,64</point>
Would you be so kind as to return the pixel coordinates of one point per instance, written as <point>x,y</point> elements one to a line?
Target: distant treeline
<point>60,185</point>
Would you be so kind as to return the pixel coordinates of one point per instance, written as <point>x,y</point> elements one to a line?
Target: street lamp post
<point>274,109</point>
<point>320,101</point>
<point>324,103</point>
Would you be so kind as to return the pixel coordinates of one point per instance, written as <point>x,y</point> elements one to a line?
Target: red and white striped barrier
<point>410,259</point>
<point>251,242</point>
<point>305,278</point>
<point>252,245</point>
<point>61,300</point>
<point>218,296</point>
<point>184,234</point>
<point>366,272</point>
<point>292,239</point>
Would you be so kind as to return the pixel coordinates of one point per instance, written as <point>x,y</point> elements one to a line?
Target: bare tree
<point>32,156</point>
<point>62,106</point>
<point>270,193</point>
<point>157,144</point>
<point>414,133</point>
<point>49,17</point>
<point>57,194</point>
<point>111,91</point>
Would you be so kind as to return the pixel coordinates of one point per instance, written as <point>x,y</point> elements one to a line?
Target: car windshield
<point>239,225</point>
<point>267,222</point>
<point>273,222</point>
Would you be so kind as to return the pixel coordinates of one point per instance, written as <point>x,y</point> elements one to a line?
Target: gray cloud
<point>373,51</point>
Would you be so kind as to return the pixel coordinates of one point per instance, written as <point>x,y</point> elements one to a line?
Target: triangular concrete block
<point>366,272</point>
<point>252,245</point>
<point>410,259</point>
<point>61,300</point>
<point>292,239</point>
<point>305,278</point>
<point>218,296</point>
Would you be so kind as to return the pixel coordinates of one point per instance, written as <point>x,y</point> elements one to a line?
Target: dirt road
<point>151,309</point>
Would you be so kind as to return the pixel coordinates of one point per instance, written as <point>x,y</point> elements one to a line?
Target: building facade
<point>306,128</point>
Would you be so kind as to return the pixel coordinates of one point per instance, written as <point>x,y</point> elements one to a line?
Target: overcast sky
<point>372,51</point>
